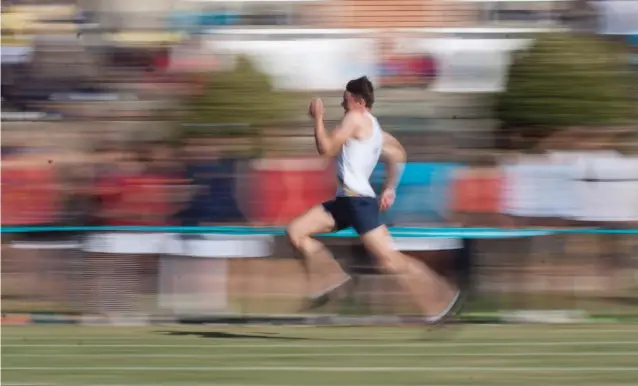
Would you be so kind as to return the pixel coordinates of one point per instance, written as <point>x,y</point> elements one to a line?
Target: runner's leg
<point>323,271</point>
<point>434,295</point>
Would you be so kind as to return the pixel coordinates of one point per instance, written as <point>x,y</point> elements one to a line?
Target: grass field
<point>543,355</point>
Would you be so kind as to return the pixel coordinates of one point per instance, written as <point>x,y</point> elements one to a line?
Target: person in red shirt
<point>139,189</point>
<point>113,178</point>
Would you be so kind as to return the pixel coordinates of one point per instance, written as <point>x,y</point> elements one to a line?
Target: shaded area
<point>228,335</point>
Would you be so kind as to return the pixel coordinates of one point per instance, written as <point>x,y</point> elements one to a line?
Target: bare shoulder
<point>354,118</point>
<point>352,123</point>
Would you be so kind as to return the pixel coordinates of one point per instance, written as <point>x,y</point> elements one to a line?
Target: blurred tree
<point>237,103</point>
<point>567,81</point>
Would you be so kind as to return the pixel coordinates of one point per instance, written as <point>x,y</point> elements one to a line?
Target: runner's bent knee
<point>314,221</point>
<point>296,235</point>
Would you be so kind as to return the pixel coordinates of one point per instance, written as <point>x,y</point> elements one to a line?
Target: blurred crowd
<point>151,184</point>
<point>199,183</point>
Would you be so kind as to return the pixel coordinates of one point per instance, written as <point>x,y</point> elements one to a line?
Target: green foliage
<point>238,102</point>
<point>567,81</point>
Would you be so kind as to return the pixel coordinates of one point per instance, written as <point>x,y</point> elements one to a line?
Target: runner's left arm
<point>394,156</point>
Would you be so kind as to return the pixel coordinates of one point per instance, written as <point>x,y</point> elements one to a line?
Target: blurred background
<point>514,113</point>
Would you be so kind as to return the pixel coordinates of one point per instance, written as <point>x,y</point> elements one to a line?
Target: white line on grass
<point>340,354</point>
<point>81,343</point>
<point>330,369</point>
<point>36,384</point>
<point>259,384</point>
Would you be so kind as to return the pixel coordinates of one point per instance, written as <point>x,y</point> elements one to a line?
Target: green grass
<point>543,355</point>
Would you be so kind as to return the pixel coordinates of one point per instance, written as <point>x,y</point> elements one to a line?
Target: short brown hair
<point>362,88</point>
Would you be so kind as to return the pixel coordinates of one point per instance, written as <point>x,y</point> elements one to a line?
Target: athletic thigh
<point>379,243</point>
<point>313,221</point>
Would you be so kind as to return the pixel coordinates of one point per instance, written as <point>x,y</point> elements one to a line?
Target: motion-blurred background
<point>515,113</point>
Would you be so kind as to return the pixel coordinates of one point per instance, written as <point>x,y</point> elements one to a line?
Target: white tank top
<point>357,161</point>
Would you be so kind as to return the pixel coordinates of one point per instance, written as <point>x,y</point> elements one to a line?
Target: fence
<point>208,273</point>
<point>199,271</point>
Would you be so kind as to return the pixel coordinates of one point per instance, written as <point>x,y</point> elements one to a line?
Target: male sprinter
<point>357,144</point>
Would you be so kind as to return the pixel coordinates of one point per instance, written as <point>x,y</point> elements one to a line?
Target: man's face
<point>350,102</point>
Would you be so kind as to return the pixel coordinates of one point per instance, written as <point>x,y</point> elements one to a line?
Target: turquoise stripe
<point>396,231</point>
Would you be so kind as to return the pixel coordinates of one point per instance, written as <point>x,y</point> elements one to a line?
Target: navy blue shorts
<point>360,213</point>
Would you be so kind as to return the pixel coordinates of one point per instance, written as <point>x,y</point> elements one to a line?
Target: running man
<point>357,144</point>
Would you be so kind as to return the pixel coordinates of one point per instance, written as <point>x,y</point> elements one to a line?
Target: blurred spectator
<point>212,177</point>
<point>115,170</point>
<point>138,188</point>
<point>401,69</point>
<point>14,75</point>
<point>581,16</point>
<point>31,189</point>
<point>79,203</point>
<point>164,175</point>
<point>283,188</point>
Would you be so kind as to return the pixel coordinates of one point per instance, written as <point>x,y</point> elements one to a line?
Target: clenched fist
<point>316,109</point>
